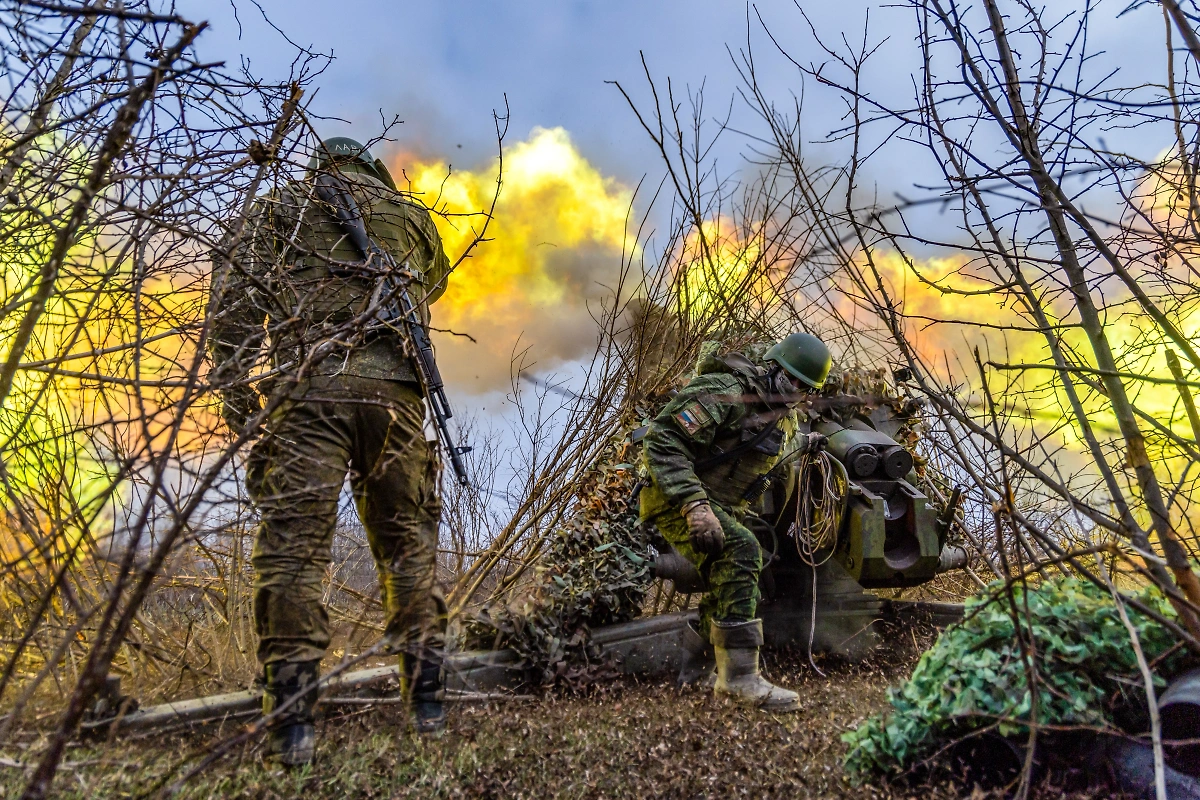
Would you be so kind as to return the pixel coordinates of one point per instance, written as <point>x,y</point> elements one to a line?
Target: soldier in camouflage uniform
<point>353,406</point>
<point>703,453</point>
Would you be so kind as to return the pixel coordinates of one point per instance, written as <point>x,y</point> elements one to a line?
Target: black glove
<point>704,528</point>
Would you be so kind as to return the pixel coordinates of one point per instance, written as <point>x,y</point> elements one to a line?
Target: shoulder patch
<point>692,417</point>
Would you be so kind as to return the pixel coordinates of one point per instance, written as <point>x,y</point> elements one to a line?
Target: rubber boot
<point>736,645</point>
<point>699,664</point>
<point>423,681</point>
<point>291,737</point>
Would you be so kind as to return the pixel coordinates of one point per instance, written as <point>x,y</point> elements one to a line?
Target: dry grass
<point>626,739</point>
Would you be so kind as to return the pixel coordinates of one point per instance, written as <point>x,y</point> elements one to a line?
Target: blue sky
<point>443,66</point>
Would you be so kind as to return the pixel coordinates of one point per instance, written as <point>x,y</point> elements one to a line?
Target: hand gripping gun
<point>399,312</point>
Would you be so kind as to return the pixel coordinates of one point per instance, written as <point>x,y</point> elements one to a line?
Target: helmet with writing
<point>340,149</point>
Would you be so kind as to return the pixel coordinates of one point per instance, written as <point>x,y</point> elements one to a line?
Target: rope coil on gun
<point>818,520</point>
<point>819,513</point>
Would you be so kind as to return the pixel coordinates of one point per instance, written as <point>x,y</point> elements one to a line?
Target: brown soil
<point>630,739</point>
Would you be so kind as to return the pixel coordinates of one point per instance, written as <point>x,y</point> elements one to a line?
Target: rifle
<point>399,308</point>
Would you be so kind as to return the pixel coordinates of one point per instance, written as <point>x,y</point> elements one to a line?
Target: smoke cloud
<point>553,251</point>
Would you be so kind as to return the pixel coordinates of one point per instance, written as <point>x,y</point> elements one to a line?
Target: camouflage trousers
<point>372,430</point>
<point>732,574</point>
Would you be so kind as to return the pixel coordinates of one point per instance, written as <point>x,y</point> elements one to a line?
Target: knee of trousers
<point>288,573</point>
<point>406,561</point>
<point>291,625</point>
<point>405,593</point>
<point>304,523</point>
<point>742,551</point>
<point>404,551</point>
<point>287,539</point>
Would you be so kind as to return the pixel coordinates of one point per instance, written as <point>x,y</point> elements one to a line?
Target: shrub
<point>976,676</point>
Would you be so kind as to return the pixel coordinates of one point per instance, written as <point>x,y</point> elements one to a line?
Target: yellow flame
<point>559,230</point>
<point>557,236</point>
<point>1041,395</point>
<point>46,456</point>
<point>717,265</point>
<point>66,420</point>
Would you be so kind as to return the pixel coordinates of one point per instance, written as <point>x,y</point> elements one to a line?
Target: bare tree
<point>125,162</point>
<point>1058,246</point>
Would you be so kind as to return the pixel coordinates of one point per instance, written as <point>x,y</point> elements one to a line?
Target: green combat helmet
<point>804,356</point>
<point>341,149</point>
<point>344,150</point>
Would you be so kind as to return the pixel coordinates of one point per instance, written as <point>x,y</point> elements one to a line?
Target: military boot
<point>291,737</point>
<point>736,645</point>
<point>423,682</point>
<point>699,664</point>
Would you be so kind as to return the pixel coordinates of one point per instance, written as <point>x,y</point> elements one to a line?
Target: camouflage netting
<point>595,572</point>
<point>976,677</point>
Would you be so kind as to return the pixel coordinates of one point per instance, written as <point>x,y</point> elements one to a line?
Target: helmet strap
<point>775,385</point>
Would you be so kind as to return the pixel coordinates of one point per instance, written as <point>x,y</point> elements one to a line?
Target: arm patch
<point>692,417</point>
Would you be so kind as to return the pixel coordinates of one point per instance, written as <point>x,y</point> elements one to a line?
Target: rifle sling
<point>334,192</point>
<point>705,464</point>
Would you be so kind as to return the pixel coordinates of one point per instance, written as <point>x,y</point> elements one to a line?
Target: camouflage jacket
<point>288,289</point>
<point>713,414</point>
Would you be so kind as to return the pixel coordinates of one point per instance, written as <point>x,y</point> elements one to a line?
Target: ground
<point>624,739</point>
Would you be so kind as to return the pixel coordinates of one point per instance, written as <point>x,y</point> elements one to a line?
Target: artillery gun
<point>851,520</point>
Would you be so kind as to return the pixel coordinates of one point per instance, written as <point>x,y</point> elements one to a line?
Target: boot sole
<point>783,708</point>
<point>431,731</point>
<point>764,704</point>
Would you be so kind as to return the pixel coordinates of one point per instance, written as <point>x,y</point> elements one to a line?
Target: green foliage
<point>977,676</point>
<point>595,572</point>
<point>53,466</point>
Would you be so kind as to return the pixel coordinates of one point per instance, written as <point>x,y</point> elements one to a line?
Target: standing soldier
<point>353,405</point>
<point>704,452</point>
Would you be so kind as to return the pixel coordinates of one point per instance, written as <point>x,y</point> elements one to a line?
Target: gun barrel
<point>456,463</point>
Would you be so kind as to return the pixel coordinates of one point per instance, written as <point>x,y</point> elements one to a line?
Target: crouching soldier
<point>704,452</point>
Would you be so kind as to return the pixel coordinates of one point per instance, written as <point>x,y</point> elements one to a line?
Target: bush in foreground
<point>977,675</point>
